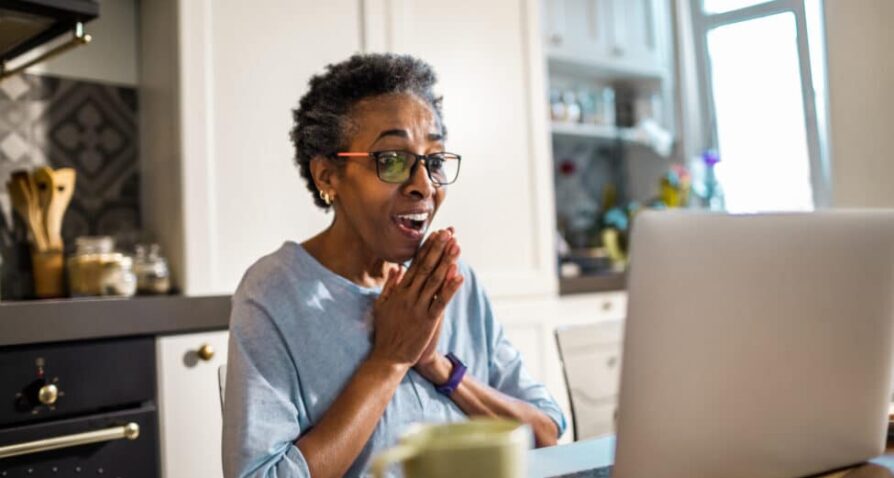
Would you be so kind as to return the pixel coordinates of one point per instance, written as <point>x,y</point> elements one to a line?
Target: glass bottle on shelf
<point>153,274</point>
<point>572,107</point>
<point>605,114</point>
<point>588,106</point>
<point>557,109</point>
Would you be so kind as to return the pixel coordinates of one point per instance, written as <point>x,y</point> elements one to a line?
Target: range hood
<point>28,24</point>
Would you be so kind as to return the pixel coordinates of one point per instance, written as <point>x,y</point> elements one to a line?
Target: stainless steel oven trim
<point>131,431</point>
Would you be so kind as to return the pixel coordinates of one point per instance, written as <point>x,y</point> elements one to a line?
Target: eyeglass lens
<point>396,166</point>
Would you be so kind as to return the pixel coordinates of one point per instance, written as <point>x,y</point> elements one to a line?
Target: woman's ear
<point>323,172</point>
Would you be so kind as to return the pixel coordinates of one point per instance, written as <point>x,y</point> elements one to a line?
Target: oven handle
<point>131,431</point>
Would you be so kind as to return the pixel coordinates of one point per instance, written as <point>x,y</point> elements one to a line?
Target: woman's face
<point>375,210</point>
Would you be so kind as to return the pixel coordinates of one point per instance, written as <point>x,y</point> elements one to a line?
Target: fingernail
<point>454,250</point>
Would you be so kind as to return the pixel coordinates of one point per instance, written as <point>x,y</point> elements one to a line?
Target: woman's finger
<point>445,295</point>
<point>426,246</point>
<point>392,279</point>
<point>446,267</point>
<point>425,265</point>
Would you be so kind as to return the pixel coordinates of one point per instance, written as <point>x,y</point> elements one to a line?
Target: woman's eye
<point>392,161</point>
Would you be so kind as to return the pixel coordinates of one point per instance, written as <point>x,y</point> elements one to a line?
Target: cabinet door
<point>579,28</point>
<point>555,30</point>
<point>190,419</point>
<point>617,34</point>
<point>639,39</point>
<point>491,71</point>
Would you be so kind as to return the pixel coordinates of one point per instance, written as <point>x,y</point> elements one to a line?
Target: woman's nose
<point>419,183</point>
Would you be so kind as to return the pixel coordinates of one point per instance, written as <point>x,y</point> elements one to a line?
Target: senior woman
<point>336,347</point>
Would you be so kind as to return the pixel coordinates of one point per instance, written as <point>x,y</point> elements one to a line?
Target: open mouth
<point>412,224</point>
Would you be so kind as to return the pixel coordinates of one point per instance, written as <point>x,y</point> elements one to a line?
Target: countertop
<point>32,322</point>
<point>575,459</point>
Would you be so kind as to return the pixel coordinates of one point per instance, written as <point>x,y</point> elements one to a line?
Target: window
<point>759,101</point>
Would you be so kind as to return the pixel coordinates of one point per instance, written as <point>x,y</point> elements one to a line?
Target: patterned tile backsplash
<point>91,127</point>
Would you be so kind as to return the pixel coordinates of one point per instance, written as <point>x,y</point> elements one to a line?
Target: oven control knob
<point>48,394</point>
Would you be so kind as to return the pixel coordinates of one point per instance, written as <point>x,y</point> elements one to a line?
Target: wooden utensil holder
<point>48,268</point>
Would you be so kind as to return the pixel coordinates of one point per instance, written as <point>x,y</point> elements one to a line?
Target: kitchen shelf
<point>614,70</point>
<point>597,131</point>
<point>605,282</point>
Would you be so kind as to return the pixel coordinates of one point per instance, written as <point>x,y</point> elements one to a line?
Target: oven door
<point>120,444</point>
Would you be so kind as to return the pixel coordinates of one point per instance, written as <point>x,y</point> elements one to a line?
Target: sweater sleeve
<point>506,369</point>
<point>263,411</point>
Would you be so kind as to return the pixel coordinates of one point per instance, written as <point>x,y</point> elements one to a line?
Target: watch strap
<point>456,376</point>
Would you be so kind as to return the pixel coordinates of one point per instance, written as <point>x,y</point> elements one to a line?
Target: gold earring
<point>326,198</point>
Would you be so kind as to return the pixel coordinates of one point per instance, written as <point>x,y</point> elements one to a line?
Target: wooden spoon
<point>43,180</point>
<point>63,190</point>
<point>26,192</point>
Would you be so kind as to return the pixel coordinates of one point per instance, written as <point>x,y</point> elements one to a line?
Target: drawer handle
<point>205,352</point>
<point>131,431</point>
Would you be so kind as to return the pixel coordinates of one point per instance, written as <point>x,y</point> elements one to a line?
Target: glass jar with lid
<point>96,269</point>
<point>151,268</point>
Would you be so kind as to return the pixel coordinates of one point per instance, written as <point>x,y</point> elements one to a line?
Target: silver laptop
<point>756,346</point>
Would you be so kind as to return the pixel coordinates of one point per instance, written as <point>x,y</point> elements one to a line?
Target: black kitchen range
<point>80,393</point>
<point>80,408</point>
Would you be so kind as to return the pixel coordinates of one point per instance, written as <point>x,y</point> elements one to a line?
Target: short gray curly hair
<point>321,123</point>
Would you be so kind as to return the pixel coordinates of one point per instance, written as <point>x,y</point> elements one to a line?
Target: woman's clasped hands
<point>410,309</point>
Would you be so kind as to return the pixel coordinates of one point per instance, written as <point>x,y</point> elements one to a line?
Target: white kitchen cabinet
<point>620,36</point>
<point>642,26</point>
<point>530,326</point>
<point>579,28</point>
<point>190,420</point>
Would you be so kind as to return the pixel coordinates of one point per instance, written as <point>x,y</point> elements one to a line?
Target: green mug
<point>478,448</point>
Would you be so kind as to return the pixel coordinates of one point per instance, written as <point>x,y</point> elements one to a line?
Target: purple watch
<point>456,376</point>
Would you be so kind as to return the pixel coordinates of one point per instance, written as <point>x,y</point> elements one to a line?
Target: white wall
<point>112,55</point>
<point>219,79</point>
<point>860,39</point>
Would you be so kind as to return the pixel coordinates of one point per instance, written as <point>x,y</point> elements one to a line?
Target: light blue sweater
<point>298,332</point>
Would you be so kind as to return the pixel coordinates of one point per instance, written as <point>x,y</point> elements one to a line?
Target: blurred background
<point>571,116</point>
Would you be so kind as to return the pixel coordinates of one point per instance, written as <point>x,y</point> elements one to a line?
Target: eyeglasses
<point>397,167</point>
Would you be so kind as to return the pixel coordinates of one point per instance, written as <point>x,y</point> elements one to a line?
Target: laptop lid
<point>756,345</point>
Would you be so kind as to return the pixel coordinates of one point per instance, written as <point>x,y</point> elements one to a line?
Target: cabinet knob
<point>48,394</point>
<point>555,39</point>
<point>206,352</point>
<point>617,51</point>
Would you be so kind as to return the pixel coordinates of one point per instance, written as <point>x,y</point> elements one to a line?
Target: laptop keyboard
<point>604,472</point>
